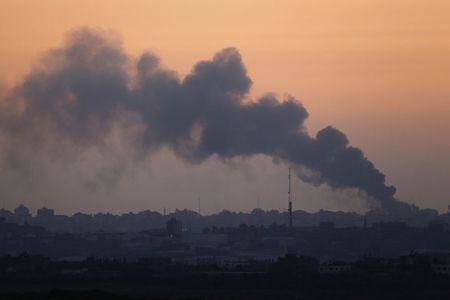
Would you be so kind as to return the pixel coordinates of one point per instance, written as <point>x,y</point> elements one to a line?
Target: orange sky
<point>377,69</point>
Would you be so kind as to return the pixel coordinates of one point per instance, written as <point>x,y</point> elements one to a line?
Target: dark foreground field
<point>220,286</point>
<point>262,293</point>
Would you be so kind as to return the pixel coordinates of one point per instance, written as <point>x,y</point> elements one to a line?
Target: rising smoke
<point>81,93</point>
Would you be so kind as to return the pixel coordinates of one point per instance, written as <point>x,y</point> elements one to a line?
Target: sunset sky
<point>378,70</point>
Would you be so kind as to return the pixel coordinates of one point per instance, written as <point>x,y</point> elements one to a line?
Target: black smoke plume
<point>78,93</point>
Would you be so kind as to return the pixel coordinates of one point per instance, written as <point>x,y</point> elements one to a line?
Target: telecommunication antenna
<point>289,200</point>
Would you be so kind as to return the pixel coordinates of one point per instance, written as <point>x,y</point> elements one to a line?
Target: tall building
<point>45,217</point>
<point>174,228</point>
<point>45,213</point>
<point>22,214</point>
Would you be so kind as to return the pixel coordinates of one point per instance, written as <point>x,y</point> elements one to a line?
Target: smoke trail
<point>80,92</point>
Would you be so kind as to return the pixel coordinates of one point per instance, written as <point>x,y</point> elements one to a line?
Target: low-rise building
<point>335,268</point>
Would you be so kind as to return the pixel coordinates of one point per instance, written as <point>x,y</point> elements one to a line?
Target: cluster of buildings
<point>231,245</point>
<point>148,220</point>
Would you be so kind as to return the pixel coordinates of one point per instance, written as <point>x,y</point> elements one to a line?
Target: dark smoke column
<point>82,89</point>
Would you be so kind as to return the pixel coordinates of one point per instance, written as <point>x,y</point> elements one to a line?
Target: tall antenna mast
<point>289,200</point>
